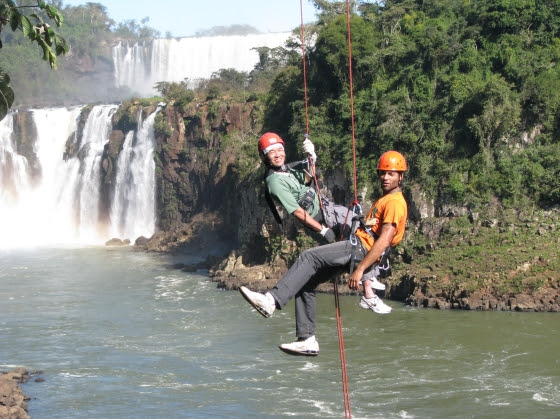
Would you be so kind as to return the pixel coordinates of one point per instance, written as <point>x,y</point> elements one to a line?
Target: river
<point>119,334</point>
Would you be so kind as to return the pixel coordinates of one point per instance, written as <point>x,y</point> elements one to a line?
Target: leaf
<point>26,26</point>
<point>55,15</point>
<point>61,47</point>
<point>6,94</point>
<point>15,18</point>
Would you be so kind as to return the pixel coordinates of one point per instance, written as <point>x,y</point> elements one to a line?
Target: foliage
<point>518,255</point>
<point>132,30</point>
<point>85,74</point>
<point>179,92</point>
<point>468,91</point>
<point>34,27</point>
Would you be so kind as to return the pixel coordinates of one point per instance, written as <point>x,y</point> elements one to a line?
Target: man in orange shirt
<point>383,229</point>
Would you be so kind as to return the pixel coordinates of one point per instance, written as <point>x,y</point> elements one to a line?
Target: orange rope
<point>345,391</point>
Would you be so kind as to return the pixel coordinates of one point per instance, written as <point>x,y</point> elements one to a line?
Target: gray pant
<point>303,277</point>
<point>338,218</point>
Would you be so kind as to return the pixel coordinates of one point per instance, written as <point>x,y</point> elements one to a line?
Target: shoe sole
<point>297,353</point>
<point>263,312</point>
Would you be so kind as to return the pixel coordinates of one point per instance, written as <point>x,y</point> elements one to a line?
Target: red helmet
<point>392,160</point>
<point>269,139</point>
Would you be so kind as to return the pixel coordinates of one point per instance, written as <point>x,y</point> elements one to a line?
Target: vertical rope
<point>304,67</point>
<point>345,391</point>
<point>352,100</point>
<point>306,102</point>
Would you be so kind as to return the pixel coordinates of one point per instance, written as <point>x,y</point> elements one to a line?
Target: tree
<point>37,30</point>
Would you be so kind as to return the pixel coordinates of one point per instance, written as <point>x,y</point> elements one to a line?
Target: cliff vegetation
<point>467,91</point>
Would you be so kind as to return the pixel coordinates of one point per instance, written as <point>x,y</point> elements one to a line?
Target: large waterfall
<point>60,201</point>
<point>140,66</point>
<point>52,189</point>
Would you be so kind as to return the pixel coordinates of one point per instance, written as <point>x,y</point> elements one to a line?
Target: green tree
<point>34,27</point>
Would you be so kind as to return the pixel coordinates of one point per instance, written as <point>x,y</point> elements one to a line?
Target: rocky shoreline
<point>412,285</point>
<point>13,402</point>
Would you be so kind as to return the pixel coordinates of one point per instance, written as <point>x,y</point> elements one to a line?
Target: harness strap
<point>272,206</point>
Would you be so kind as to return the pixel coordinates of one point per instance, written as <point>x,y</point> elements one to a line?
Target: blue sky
<point>185,17</point>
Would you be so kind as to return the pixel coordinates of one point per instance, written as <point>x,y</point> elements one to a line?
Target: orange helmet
<point>392,160</point>
<point>269,139</point>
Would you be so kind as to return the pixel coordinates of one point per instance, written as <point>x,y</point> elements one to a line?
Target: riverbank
<point>13,402</point>
<point>506,264</point>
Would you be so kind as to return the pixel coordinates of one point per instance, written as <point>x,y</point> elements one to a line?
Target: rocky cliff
<point>209,166</point>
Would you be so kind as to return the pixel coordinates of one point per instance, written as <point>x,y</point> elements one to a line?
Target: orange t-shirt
<point>390,209</point>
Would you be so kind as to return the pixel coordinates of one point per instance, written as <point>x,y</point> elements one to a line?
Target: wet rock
<point>13,402</point>
<point>115,242</point>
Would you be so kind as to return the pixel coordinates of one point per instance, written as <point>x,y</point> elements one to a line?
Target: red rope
<point>304,67</point>
<point>347,413</point>
<point>352,101</point>
<point>305,99</point>
<point>345,391</point>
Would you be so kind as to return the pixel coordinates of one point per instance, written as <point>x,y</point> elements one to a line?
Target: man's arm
<point>384,240</point>
<point>307,219</point>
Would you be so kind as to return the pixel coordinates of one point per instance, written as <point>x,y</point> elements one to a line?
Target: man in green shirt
<point>291,185</point>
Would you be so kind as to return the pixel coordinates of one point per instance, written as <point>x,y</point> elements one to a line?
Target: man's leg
<point>306,266</point>
<point>338,218</point>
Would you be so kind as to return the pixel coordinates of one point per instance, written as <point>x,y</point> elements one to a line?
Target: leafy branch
<point>37,30</point>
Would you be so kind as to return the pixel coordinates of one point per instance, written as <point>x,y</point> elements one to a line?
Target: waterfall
<point>13,167</point>
<point>140,66</point>
<point>65,204</point>
<point>130,62</point>
<point>95,135</point>
<point>133,208</point>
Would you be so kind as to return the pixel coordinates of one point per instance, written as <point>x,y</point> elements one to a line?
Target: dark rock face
<point>194,160</point>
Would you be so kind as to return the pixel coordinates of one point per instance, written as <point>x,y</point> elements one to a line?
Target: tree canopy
<point>468,91</point>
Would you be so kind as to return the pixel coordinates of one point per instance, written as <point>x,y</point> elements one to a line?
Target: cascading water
<point>30,214</point>
<point>13,167</point>
<point>133,208</point>
<point>140,66</point>
<point>64,206</point>
<point>95,135</point>
<point>130,62</point>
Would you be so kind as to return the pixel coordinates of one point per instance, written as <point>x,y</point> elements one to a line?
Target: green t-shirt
<point>289,188</point>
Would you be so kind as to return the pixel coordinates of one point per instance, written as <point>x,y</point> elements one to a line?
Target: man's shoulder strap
<point>272,206</point>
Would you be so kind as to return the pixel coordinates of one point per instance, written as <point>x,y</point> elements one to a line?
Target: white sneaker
<point>306,347</point>
<point>376,285</point>
<point>263,303</point>
<point>376,304</point>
